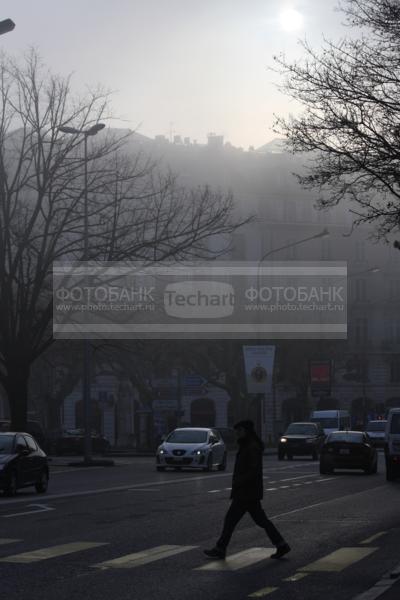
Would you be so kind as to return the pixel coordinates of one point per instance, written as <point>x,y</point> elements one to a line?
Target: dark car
<point>72,441</point>
<point>348,450</point>
<point>34,428</point>
<point>301,439</point>
<point>22,463</point>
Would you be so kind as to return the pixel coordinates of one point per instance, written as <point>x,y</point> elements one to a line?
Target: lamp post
<point>6,26</point>
<point>370,271</point>
<point>86,392</point>
<point>322,234</point>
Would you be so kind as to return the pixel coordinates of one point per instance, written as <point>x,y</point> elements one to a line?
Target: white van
<point>332,420</point>
<point>392,446</point>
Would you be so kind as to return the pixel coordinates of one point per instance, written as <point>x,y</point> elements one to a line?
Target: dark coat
<point>247,481</point>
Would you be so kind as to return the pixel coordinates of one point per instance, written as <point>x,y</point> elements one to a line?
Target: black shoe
<point>281,551</point>
<point>217,553</point>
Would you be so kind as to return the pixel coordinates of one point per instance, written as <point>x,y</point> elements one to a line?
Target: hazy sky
<point>187,66</point>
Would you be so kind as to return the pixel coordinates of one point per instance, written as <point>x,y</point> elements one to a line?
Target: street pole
<point>86,391</point>
<point>86,388</point>
<point>322,234</point>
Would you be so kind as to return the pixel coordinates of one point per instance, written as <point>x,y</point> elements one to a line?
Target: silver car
<point>376,432</point>
<point>194,448</point>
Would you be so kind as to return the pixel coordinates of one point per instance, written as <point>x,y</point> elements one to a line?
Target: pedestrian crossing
<point>241,560</point>
<point>51,552</point>
<point>334,562</point>
<point>145,557</point>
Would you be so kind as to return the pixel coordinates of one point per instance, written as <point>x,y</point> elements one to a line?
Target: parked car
<point>72,441</point>
<point>193,447</point>
<point>348,450</point>
<point>301,439</point>
<point>392,445</point>
<point>376,432</point>
<point>34,428</point>
<point>22,463</point>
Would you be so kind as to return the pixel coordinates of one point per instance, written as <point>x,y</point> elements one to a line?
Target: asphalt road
<point>129,532</point>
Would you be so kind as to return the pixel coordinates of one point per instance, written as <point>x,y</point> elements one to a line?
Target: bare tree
<point>134,212</point>
<point>350,92</point>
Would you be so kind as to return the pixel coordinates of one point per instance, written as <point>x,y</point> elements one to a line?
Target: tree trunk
<point>16,386</point>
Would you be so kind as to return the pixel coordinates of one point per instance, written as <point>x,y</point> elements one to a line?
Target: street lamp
<point>322,234</point>
<point>363,354</point>
<point>86,347</point>
<point>6,26</point>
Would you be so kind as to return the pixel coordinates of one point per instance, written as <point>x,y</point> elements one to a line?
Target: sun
<point>291,20</point>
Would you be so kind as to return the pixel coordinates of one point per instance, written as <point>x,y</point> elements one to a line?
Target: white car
<point>192,447</point>
<point>376,432</point>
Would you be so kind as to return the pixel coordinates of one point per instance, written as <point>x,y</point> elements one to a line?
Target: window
<point>395,368</point>
<point>289,209</point>
<point>290,252</point>
<point>325,249</point>
<point>395,332</point>
<point>394,289</point>
<point>188,436</point>
<point>361,330</point>
<point>31,443</point>
<point>360,290</point>
<point>360,251</point>
<point>20,441</point>
<point>395,424</point>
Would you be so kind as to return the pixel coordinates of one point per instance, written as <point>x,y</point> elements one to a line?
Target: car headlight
<point>162,451</point>
<point>199,452</point>
<point>283,440</point>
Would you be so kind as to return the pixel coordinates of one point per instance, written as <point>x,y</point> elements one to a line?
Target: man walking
<point>247,491</point>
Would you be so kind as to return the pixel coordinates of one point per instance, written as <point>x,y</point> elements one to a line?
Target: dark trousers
<point>236,511</point>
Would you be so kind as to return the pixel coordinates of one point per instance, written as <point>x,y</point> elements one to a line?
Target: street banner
<point>259,367</point>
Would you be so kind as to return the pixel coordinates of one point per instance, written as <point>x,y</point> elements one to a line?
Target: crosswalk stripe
<point>295,577</point>
<point>4,541</point>
<point>373,537</point>
<point>338,560</point>
<point>51,552</point>
<point>263,592</point>
<point>137,559</point>
<point>238,561</point>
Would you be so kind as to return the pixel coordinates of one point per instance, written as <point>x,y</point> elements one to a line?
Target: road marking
<point>214,491</point>
<point>338,560</point>
<point>143,490</point>
<point>41,507</point>
<point>284,487</point>
<point>238,561</point>
<point>373,537</point>
<point>295,577</point>
<point>51,552</point>
<point>4,541</point>
<point>270,489</point>
<point>347,496</point>
<point>137,559</point>
<point>326,479</point>
<point>263,592</point>
<point>300,477</point>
